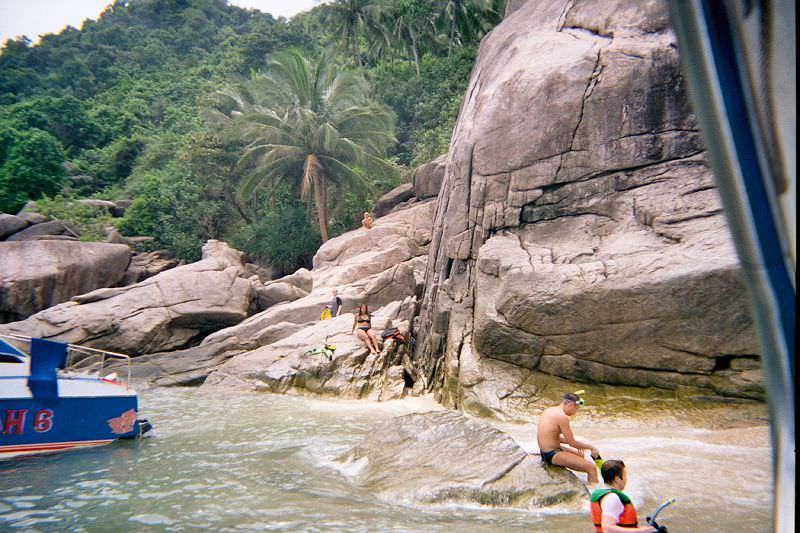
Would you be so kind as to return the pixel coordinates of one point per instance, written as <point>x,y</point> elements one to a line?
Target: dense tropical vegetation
<point>221,122</point>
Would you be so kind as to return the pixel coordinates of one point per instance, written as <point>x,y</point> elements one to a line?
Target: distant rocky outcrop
<point>38,274</point>
<point>382,267</point>
<point>578,231</point>
<point>420,459</point>
<point>168,311</point>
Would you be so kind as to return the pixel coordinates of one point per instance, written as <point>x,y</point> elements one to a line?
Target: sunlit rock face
<point>165,312</point>
<point>578,231</point>
<point>37,274</point>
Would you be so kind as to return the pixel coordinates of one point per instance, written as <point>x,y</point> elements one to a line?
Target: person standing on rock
<point>336,304</point>
<point>558,446</point>
<point>612,509</point>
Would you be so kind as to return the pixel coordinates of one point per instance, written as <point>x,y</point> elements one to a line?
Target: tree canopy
<point>115,110</point>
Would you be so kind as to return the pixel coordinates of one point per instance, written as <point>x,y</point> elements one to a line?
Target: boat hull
<point>31,425</point>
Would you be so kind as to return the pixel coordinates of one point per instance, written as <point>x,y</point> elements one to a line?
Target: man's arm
<point>567,437</point>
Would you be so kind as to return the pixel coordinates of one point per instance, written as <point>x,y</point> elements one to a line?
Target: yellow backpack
<point>326,314</point>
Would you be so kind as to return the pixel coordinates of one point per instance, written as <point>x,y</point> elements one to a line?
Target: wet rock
<point>38,274</point>
<point>430,458</point>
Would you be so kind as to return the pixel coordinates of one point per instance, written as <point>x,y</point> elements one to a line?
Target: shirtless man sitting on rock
<point>556,442</point>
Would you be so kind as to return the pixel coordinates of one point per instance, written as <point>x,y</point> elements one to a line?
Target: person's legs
<point>574,461</point>
<point>374,339</point>
<point>361,334</point>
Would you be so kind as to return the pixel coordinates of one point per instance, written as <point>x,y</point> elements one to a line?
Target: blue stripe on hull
<point>39,421</point>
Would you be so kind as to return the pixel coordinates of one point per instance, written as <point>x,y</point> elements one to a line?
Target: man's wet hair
<point>611,470</point>
<point>571,397</point>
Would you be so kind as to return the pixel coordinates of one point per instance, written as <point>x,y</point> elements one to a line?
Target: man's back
<point>549,430</point>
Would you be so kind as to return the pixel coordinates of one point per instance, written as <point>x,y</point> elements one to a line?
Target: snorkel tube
<point>652,521</point>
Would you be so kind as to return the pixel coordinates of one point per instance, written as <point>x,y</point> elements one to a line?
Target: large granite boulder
<point>578,231</point>
<point>286,289</point>
<point>444,457</point>
<point>365,266</point>
<point>10,224</point>
<point>392,199</point>
<point>351,258</point>
<point>168,311</point>
<point>38,274</point>
<point>292,364</point>
<point>44,230</point>
<point>146,265</point>
<point>427,178</point>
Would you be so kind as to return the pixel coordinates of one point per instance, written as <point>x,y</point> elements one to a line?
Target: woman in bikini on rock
<point>363,319</point>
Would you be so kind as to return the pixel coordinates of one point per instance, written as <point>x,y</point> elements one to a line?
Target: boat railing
<point>82,358</point>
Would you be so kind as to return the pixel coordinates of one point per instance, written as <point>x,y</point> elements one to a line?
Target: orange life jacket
<point>628,517</point>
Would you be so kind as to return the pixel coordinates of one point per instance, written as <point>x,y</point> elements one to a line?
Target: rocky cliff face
<point>578,231</point>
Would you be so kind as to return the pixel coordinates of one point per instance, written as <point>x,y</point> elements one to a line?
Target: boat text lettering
<point>14,423</point>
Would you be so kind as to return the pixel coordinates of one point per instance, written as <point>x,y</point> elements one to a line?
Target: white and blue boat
<point>47,406</point>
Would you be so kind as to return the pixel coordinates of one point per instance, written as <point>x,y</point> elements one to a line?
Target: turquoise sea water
<point>259,462</point>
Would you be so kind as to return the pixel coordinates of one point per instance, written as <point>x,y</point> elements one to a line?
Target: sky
<point>37,17</point>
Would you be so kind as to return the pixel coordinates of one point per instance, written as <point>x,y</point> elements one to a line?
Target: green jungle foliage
<point>226,123</point>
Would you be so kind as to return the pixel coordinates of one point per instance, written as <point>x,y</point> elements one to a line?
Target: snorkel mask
<point>580,399</point>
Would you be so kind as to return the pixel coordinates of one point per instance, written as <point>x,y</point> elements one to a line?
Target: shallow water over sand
<point>258,462</point>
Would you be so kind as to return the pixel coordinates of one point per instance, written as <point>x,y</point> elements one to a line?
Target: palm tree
<point>354,17</point>
<point>467,20</point>
<point>308,126</point>
<point>413,24</point>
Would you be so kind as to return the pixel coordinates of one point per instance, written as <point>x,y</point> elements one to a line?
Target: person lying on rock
<point>558,446</point>
<point>363,319</point>
<point>612,510</point>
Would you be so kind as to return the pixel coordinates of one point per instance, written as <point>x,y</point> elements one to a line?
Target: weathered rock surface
<point>391,199</point>
<point>146,265</point>
<point>286,366</point>
<point>579,232</point>
<point>365,267</point>
<point>10,224</point>
<point>427,178</point>
<point>29,215</point>
<point>111,207</point>
<point>38,274</point>
<point>420,459</point>
<point>42,229</point>
<point>168,311</point>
